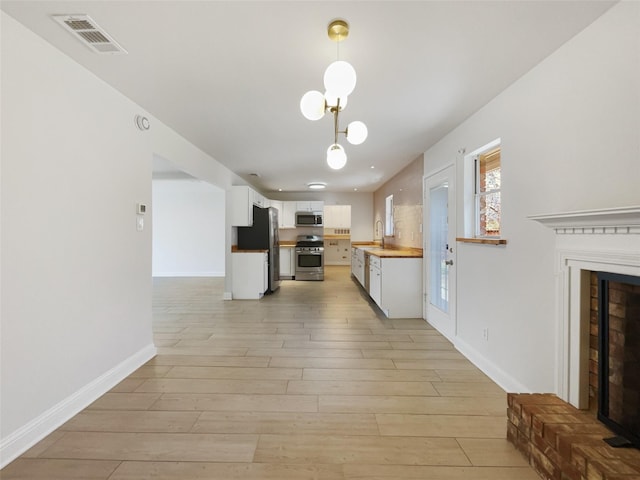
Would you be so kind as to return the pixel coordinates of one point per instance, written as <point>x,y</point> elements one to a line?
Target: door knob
<point>448,262</point>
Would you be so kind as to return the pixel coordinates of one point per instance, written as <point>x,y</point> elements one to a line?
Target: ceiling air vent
<point>89,33</point>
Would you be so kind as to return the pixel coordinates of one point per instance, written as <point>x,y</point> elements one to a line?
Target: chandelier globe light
<point>336,157</point>
<point>356,132</point>
<point>340,78</point>
<point>313,105</point>
<point>339,82</point>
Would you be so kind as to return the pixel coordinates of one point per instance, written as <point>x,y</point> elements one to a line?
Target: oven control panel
<point>309,249</point>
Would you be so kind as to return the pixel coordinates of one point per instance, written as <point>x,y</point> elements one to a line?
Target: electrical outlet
<point>485,334</point>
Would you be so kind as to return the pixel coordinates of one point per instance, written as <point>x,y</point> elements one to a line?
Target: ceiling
<point>229,75</point>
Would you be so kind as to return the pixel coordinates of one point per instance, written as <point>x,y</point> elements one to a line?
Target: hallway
<point>308,383</point>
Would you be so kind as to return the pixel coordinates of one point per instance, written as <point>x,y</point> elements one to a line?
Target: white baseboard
<point>31,433</point>
<point>495,373</point>
<point>188,274</point>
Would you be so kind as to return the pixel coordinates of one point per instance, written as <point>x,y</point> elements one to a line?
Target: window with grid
<point>487,193</point>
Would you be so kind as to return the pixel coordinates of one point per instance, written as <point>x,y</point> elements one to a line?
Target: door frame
<point>449,172</point>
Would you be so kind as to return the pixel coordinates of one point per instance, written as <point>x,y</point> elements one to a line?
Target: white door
<point>440,251</point>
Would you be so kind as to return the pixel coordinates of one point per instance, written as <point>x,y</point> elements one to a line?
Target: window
<point>482,180</point>
<point>388,216</point>
<point>487,193</point>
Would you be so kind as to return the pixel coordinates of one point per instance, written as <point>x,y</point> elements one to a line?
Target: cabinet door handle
<point>448,262</point>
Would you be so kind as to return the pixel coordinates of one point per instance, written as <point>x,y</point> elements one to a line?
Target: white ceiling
<point>229,75</point>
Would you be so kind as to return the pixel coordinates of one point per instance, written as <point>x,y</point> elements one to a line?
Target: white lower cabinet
<point>287,262</point>
<point>250,275</point>
<point>400,287</point>
<point>395,283</point>
<point>357,264</point>
<point>375,280</point>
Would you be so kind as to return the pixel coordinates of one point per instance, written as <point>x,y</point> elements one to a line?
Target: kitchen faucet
<point>382,227</point>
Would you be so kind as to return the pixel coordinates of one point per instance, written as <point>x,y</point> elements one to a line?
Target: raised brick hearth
<point>564,443</point>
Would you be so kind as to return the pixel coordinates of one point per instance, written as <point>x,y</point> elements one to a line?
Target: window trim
<point>469,204</point>
<point>388,216</point>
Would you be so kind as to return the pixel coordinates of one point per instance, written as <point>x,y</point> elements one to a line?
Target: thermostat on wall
<point>142,209</point>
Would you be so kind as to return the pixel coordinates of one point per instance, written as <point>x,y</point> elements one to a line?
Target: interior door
<point>440,251</point>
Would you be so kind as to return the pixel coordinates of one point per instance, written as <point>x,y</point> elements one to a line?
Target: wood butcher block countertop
<point>376,250</point>
<point>287,243</point>
<point>235,249</point>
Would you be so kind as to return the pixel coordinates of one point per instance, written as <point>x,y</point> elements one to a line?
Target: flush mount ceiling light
<point>339,82</point>
<point>317,185</point>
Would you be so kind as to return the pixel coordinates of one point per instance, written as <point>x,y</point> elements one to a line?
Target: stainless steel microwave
<point>309,219</point>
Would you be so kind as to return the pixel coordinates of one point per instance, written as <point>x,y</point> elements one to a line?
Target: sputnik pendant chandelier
<point>339,82</point>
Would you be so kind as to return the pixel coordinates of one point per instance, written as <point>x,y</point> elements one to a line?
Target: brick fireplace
<point>560,435</point>
<point>623,305</point>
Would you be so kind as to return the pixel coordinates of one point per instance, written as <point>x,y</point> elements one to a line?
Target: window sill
<point>484,241</point>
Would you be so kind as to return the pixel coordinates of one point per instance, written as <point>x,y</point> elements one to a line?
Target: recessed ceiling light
<point>317,185</point>
<point>355,189</point>
<point>373,166</point>
<point>279,189</point>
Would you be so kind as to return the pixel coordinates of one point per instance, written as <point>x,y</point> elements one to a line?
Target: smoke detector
<point>89,33</point>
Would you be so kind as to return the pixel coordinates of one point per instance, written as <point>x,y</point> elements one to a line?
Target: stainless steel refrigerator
<point>263,235</point>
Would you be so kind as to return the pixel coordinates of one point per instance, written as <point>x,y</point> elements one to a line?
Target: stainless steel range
<point>310,257</point>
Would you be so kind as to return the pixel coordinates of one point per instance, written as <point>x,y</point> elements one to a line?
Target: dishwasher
<point>367,278</point>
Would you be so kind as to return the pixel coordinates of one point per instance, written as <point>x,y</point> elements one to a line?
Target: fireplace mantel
<point>603,240</point>
<point>623,220</point>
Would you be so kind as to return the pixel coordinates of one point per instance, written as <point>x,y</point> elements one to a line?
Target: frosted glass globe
<point>357,132</point>
<point>332,100</point>
<point>312,105</point>
<point>340,78</point>
<point>336,157</point>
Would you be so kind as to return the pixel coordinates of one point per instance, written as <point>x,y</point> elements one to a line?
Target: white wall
<point>570,141</point>
<point>75,272</point>
<point>188,228</point>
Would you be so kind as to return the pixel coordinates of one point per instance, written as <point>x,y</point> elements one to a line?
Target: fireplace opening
<point>619,357</point>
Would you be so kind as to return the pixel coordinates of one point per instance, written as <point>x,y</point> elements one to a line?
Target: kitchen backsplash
<point>406,188</point>
<point>291,234</point>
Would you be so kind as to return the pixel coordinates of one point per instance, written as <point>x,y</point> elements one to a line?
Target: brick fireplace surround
<point>564,443</point>
<point>560,434</point>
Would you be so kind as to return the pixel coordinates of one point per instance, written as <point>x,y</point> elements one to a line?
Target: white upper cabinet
<point>337,216</point>
<point>243,198</point>
<point>288,217</point>
<point>258,199</point>
<point>309,206</point>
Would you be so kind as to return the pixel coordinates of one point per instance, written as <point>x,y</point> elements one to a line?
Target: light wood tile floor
<point>311,382</point>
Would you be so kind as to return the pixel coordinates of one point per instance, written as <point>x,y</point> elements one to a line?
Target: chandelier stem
<point>335,121</point>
